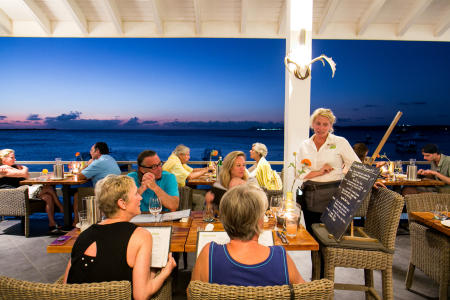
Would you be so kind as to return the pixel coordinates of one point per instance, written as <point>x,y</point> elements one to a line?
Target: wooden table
<point>66,183</point>
<point>426,218</point>
<point>202,180</point>
<point>303,240</point>
<point>178,240</point>
<point>421,182</point>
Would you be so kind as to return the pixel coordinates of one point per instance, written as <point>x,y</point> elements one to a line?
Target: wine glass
<point>154,206</point>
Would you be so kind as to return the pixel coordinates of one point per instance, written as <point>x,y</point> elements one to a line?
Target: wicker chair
<point>15,202</point>
<point>430,249</point>
<point>382,219</point>
<point>11,288</point>
<point>315,290</point>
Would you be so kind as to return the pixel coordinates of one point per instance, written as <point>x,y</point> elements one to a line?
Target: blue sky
<point>212,83</point>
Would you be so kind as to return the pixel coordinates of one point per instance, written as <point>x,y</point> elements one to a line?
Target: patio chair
<point>15,202</point>
<point>314,290</point>
<point>430,249</point>
<point>11,288</point>
<point>382,219</point>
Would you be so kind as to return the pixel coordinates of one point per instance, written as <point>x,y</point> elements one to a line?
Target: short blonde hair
<point>324,112</point>
<point>181,149</point>
<point>228,162</point>
<point>110,189</point>
<point>241,208</point>
<point>4,153</point>
<point>261,149</point>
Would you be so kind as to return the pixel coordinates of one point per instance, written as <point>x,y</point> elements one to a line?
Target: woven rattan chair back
<point>314,290</point>
<point>15,202</point>
<point>429,248</point>
<point>11,288</point>
<point>383,216</point>
<point>425,201</point>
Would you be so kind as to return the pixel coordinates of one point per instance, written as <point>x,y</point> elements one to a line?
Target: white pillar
<point>297,92</point>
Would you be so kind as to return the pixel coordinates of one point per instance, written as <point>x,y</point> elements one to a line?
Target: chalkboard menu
<point>353,189</point>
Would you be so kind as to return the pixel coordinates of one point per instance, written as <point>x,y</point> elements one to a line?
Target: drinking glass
<point>443,212</point>
<point>276,208</point>
<point>398,169</point>
<point>208,213</point>
<point>84,220</point>
<point>154,206</point>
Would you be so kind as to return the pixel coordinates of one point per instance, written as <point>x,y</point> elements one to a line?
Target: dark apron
<point>316,195</point>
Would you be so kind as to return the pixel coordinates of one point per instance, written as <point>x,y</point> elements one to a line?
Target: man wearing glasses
<point>151,180</point>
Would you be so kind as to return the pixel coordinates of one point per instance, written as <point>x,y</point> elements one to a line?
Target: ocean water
<point>404,143</point>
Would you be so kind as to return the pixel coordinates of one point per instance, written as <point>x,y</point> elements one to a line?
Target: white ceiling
<point>426,20</point>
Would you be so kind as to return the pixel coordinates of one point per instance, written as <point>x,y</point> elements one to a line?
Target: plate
<point>53,178</point>
<point>414,180</point>
<point>68,175</point>
<point>78,225</point>
<point>446,223</point>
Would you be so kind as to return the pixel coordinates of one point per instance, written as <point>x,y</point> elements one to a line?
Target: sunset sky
<point>85,83</point>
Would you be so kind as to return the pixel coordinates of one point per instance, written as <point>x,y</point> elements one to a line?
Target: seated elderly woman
<point>177,165</point>
<point>124,250</point>
<point>262,170</point>
<point>10,176</point>
<point>233,173</point>
<point>243,261</point>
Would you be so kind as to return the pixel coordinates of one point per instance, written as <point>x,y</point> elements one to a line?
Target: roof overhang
<point>415,20</point>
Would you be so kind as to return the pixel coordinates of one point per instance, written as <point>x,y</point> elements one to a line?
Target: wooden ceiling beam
<point>5,24</point>
<point>77,15</point>
<point>244,15</point>
<point>113,12</point>
<point>197,17</point>
<point>443,25</point>
<point>38,15</point>
<point>157,17</point>
<point>282,19</point>
<point>329,11</point>
<point>417,10</point>
<point>369,15</point>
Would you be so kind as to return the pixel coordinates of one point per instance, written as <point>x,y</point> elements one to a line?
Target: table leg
<point>67,207</point>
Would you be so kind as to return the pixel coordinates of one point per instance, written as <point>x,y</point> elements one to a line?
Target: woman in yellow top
<point>176,164</point>
<point>262,171</point>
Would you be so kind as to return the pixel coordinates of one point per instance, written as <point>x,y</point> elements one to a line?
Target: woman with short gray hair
<point>243,261</point>
<point>177,165</point>
<point>262,170</point>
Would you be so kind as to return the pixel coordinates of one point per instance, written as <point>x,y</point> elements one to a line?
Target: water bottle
<point>58,169</point>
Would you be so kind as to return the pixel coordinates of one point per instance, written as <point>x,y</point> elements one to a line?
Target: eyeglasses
<point>153,167</point>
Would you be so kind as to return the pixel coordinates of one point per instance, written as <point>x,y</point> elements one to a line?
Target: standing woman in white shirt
<point>331,156</point>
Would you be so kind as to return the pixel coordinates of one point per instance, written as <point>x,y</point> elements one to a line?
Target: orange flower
<point>214,153</point>
<point>306,162</point>
<point>44,171</point>
<point>77,154</point>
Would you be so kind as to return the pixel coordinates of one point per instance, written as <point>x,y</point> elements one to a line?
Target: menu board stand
<point>352,191</point>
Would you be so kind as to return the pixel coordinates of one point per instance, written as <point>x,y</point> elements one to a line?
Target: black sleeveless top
<point>10,182</point>
<point>110,264</point>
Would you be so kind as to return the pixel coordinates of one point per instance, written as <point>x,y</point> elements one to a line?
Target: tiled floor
<point>26,258</point>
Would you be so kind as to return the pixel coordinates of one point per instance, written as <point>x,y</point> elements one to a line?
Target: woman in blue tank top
<point>243,261</point>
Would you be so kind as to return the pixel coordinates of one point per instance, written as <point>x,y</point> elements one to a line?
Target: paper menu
<point>161,245</point>
<point>221,237</point>
<point>148,218</point>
